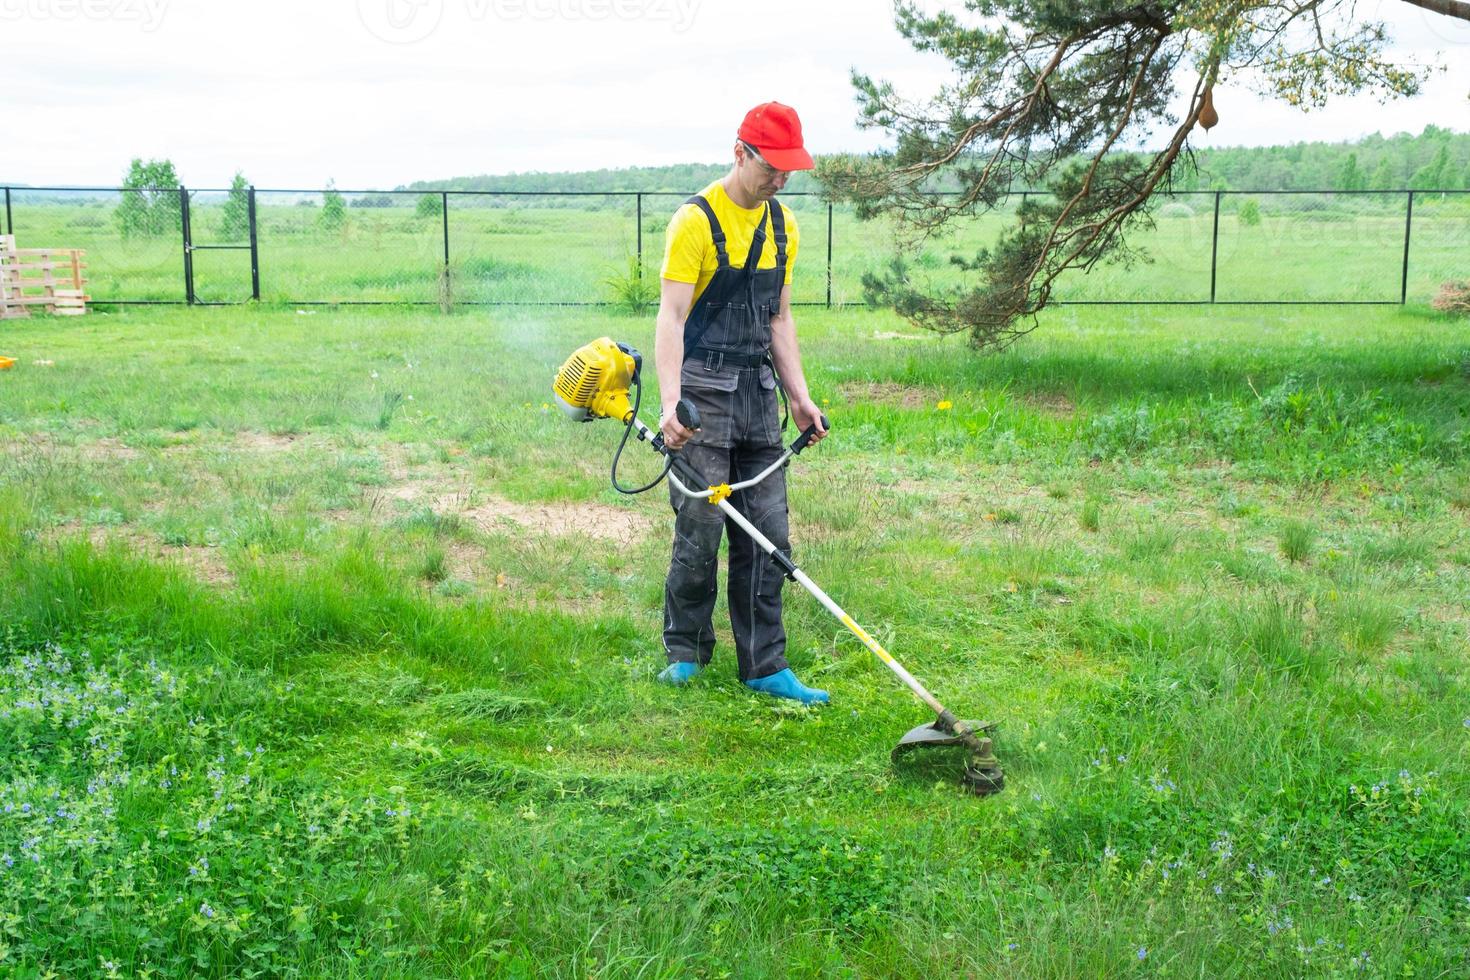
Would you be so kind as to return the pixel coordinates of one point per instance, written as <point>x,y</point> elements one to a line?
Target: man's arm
<point>675,300</point>
<point>787,357</point>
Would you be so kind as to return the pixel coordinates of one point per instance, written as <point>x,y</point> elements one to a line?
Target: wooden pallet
<point>41,277</point>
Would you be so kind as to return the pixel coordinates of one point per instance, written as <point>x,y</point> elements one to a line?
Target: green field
<point>503,249</point>
<point>325,649</point>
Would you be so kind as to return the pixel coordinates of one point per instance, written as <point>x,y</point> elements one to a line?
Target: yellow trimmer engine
<point>594,381</point>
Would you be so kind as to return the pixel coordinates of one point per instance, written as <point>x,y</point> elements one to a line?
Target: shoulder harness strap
<point>717,235</point>
<point>778,228</point>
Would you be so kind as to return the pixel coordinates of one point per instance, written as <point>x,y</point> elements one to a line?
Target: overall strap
<point>757,244</point>
<point>717,235</point>
<point>778,229</point>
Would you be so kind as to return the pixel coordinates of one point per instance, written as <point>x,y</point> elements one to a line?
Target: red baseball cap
<point>775,130</point>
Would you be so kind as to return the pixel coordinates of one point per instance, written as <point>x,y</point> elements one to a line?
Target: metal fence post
<point>1215,246</point>
<point>254,245</point>
<point>829,255</point>
<point>1408,227</point>
<point>638,230</point>
<point>446,298</point>
<point>188,245</point>
<point>9,219</point>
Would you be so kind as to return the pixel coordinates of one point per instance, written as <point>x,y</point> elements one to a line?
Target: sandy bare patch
<point>1051,403</point>
<point>889,393</point>
<point>592,520</point>
<point>264,442</point>
<point>491,513</point>
<point>895,335</point>
<point>100,449</point>
<point>207,564</point>
<point>107,447</point>
<point>466,562</point>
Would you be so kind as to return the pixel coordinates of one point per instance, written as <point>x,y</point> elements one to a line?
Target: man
<point>724,321</point>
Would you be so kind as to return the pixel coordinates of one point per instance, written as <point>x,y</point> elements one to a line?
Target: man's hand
<point>806,414</point>
<point>675,434</point>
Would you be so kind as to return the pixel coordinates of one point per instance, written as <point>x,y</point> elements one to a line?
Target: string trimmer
<point>594,384</point>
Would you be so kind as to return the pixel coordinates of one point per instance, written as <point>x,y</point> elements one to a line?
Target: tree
<point>429,206</point>
<point>150,204</point>
<point>1249,213</point>
<point>333,215</point>
<point>1045,95</point>
<point>1350,177</point>
<point>236,224</point>
<point>1383,178</point>
<point>1434,175</point>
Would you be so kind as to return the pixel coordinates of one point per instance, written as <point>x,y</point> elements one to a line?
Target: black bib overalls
<point>727,375</point>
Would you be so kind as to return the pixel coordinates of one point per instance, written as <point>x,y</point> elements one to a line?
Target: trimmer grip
<point>806,437</point>
<point>687,414</point>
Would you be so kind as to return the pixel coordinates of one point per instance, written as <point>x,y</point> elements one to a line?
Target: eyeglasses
<point>766,168</point>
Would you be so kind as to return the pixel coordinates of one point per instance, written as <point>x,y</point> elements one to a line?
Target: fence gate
<point>221,256</point>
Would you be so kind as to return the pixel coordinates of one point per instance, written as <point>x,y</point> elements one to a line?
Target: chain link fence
<point>448,248</point>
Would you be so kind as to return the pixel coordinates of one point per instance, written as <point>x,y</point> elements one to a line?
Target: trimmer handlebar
<point>806,437</point>
<point>688,417</point>
<point>687,414</point>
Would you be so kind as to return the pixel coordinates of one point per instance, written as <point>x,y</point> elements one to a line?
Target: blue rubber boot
<point>783,684</point>
<point>679,674</point>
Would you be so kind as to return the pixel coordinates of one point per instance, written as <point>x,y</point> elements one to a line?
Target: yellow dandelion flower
<point>945,405</point>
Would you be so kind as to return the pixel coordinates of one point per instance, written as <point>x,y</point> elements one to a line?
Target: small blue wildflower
<point>1143,952</point>
<point>205,910</point>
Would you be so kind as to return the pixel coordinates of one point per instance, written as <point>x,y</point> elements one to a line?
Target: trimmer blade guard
<point>982,773</point>
<point>929,736</point>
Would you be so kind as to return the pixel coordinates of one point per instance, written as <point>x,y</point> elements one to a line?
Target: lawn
<point>326,649</point>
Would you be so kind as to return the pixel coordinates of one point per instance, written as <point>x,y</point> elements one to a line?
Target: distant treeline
<point>682,178</point>
<point>1436,159</point>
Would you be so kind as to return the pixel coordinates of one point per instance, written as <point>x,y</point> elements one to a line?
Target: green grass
<point>291,684</point>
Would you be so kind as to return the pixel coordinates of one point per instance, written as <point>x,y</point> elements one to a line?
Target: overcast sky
<point>375,93</point>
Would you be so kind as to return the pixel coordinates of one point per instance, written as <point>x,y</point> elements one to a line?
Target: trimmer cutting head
<point>982,773</point>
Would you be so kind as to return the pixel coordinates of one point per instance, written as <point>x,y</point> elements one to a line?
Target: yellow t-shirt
<point>689,252</point>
